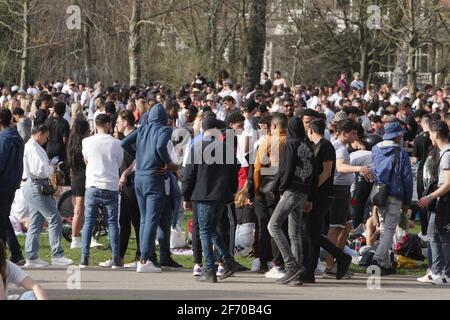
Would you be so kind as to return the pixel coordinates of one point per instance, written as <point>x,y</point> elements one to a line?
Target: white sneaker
<point>428,278</point>
<point>424,238</point>
<point>95,244</point>
<point>442,280</point>
<point>256,265</point>
<point>62,261</point>
<point>132,265</point>
<point>275,273</point>
<point>149,267</point>
<point>106,264</point>
<point>320,270</point>
<point>36,263</point>
<point>220,271</point>
<point>198,270</point>
<point>76,243</point>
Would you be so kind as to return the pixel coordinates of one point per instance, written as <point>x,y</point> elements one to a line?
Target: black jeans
<point>6,201</point>
<point>313,227</point>
<point>129,215</point>
<point>196,241</point>
<point>227,227</point>
<point>268,249</point>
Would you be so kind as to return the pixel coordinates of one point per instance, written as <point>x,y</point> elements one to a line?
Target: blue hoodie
<point>150,142</point>
<point>401,185</point>
<point>11,160</point>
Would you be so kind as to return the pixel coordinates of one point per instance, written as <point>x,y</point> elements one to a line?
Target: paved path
<point>97,284</point>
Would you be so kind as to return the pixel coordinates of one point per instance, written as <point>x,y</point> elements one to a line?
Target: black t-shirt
<point>324,151</point>
<point>59,129</point>
<point>412,128</point>
<point>40,117</point>
<point>421,148</point>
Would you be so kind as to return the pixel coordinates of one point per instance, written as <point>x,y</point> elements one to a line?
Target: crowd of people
<point>280,171</point>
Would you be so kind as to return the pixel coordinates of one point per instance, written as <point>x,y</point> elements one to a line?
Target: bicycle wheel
<point>65,208</point>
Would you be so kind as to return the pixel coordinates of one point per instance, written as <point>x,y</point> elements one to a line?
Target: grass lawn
<point>103,254</point>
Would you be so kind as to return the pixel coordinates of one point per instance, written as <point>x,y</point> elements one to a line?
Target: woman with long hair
<point>77,166</point>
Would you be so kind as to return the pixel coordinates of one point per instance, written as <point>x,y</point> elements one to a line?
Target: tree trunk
<point>412,72</point>
<point>89,69</point>
<point>212,34</point>
<point>256,39</point>
<point>134,46</point>
<point>25,43</point>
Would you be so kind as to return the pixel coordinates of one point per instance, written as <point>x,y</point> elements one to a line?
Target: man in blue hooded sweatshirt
<point>392,166</point>
<point>11,168</point>
<point>149,144</point>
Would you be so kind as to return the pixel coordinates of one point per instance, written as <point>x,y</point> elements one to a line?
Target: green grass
<point>104,254</point>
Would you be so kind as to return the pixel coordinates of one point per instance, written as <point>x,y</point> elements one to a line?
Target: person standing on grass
<point>438,231</point>
<point>153,163</point>
<point>129,208</point>
<point>11,169</point>
<point>103,156</point>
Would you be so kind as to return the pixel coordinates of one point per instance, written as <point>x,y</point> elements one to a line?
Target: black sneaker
<point>307,278</point>
<point>117,263</point>
<point>241,268</point>
<point>18,260</point>
<point>171,264</point>
<point>208,277</point>
<point>291,274</point>
<point>343,264</point>
<point>297,281</point>
<point>84,263</point>
<point>264,268</point>
<point>229,270</point>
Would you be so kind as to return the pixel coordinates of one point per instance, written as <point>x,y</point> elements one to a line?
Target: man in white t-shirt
<point>228,91</point>
<point>357,83</point>
<point>279,81</point>
<point>103,155</point>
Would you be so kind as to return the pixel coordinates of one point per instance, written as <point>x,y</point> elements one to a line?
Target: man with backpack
<point>392,169</point>
<point>439,221</point>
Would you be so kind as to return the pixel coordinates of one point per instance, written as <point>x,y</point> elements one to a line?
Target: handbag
<point>45,188</point>
<point>380,191</point>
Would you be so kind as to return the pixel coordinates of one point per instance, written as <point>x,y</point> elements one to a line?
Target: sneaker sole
<point>292,278</point>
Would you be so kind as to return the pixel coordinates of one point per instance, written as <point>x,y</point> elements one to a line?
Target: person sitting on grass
<point>10,273</point>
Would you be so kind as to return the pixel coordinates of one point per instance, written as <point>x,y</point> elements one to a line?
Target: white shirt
<point>220,113</point>
<point>330,116</point>
<point>85,99</point>
<point>231,93</point>
<point>357,84</point>
<point>32,91</point>
<point>3,100</point>
<point>366,123</point>
<point>36,164</point>
<point>104,156</point>
<point>279,82</point>
<point>313,102</point>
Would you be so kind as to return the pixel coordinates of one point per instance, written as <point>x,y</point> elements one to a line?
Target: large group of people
<point>280,171</point>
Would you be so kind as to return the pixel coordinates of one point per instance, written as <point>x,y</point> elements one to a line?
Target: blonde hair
<point>77,111</point>
<point>241,198</point>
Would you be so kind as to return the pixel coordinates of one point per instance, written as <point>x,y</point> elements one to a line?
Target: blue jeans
<point>42,208</point>
<point>29,295</point>
<point>440,248</point>
<point>245,236</point>
<point>108,201</point>
<point>164,232</point>
<point>208,214</point>
<point>178,212</point>
<point>151,198</point>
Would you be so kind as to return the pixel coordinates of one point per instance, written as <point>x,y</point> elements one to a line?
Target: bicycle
<point>65,208</point>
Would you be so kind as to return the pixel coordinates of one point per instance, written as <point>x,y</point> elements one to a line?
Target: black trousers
<point>196,241</point>
<point>362,194</point>
<point>6,201</point>
<point>422,212</point>
<point>268,249</point>
<point>227,227</point>
<point>313,227</point>
<point>129,215</point>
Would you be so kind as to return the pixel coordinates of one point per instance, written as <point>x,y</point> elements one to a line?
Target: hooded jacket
<point>298,168</point>
<point>401,184</point>
<point>149,143</point>
<point>11,160</point>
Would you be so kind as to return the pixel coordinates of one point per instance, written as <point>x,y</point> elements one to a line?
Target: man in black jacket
<point>211,181</point>
<point>11,168</point>
<point>296,180</point>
